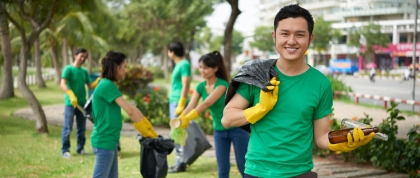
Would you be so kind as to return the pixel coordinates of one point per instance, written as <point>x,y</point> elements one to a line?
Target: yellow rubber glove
<point>73,98</point>
<point>267,101</point>
<point>181,105</point>
<point>185,120</point>
<point>145,128</point>
<point>358,141</point>
<point>95,83</point>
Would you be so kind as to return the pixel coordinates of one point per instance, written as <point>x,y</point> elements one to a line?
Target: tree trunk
<point>72,54</point>
<point>165,63</point>
<point>140,54</point>
<point>227,39</point>
<point>39,80</point>
<point>64,53</point>
<point>41,121</point>
<point>57,68</point>
<point>6,90</point>
<point>190,45</point>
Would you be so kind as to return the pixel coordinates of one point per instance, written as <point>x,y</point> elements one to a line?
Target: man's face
<point>81,58</point>
<point>292,38</point>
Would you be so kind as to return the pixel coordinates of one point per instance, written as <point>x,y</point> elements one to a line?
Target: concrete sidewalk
<point>324,168</point>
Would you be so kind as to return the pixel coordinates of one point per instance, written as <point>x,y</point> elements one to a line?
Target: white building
<point>395,16</point>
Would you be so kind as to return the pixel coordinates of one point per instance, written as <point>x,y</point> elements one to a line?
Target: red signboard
<point>400,49</point>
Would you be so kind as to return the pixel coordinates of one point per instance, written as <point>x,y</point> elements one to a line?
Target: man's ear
<point>311,38</point>
<point>273,35</point>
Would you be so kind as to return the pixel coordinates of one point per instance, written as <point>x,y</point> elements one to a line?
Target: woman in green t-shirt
<point>107,102</point>
<point>212,90</point>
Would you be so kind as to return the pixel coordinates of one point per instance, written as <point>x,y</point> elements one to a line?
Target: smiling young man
<point>74,80</point>
<point>294,113</point>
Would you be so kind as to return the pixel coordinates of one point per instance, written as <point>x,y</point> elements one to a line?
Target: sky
<point>245,22</point>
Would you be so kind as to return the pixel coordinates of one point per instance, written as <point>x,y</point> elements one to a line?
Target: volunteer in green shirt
<point>212,90</point>
<point>181,77</point>
<point>74,80</point>
<point>107,102</point>
<point>294,114</point>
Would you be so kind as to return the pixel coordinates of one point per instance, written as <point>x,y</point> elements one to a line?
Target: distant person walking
<point>407,74</point>
<point>372,74</point>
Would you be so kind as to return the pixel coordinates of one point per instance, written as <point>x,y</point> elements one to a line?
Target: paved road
<point>382,87</point>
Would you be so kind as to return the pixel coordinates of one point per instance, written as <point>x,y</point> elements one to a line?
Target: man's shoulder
<point>185,62</point>
<point>318,75</point>
<point>68,67</point>
<point>84,69</point>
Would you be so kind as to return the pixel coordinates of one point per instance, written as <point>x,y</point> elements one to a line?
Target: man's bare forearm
<point>233,117</point>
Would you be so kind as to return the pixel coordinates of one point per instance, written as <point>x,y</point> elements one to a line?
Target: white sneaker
<point>66,155</point>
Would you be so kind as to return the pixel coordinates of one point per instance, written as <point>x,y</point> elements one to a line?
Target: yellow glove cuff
<point>70,93</point>
<point>193,114</point>
<point>145,128</point>
<point>182,101</point>
<point>95,83</point>
<point>181,105</point>
<point>254,114</point>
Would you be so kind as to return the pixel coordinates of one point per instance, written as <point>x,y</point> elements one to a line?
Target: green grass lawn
<point>25,153</point>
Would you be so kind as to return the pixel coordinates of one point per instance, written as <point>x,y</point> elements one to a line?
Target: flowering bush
<point>136,77</point>
<point>153,103</point>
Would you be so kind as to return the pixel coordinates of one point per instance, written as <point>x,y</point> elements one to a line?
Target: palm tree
<point>77,30</point>
<point>6,90</point>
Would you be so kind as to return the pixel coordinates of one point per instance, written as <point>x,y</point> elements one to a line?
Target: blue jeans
<point>106,163</point>
<point>69,113</point>
<point>179,151</point>
<point>222,141</point>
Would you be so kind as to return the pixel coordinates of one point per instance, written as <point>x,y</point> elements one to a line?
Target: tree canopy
<point>262,39</point>
<point>368,36</point>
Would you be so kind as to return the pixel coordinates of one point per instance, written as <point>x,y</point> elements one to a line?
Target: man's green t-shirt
<point>77,78</point>
<point>216,110</point>
<point>182,69</point>
<point>106,115</point>
<point>281,142</point>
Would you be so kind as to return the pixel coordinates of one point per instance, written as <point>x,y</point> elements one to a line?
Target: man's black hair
<point>177,48</point>
<point>294,10</point>
<point>80,50</point>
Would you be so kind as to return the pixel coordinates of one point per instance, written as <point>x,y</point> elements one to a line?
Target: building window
<point>403,38</point>
<point>342,39</point>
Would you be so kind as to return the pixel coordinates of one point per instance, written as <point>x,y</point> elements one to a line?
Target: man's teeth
<point>291,49</point>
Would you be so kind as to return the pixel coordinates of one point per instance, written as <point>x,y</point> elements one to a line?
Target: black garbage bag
<point>196,143</point>
<point>153,156</point>
<point>256,72</point>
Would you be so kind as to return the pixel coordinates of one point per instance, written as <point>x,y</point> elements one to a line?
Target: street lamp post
<point>413,63</point>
